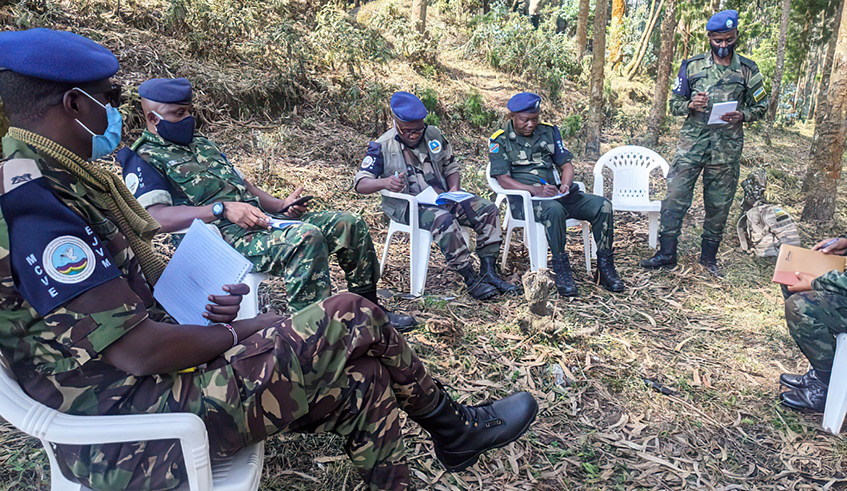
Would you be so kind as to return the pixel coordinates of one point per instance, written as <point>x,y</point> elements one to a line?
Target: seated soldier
<point>412,156</point>
<point>81,332</point>
<point>182,176</point>
<point>529,155</point>
<point>815,314</point>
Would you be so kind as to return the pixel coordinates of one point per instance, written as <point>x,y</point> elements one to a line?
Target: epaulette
<point>497,133</point>
<point>17,172</point>
<point>545,123</point>
<point>747,61</point>
<point>698,57</point>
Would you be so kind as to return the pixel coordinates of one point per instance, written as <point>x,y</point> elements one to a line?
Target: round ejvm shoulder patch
<point>68,259</point>
<point>131,183</point>
<point>367,162</point>
<point>435,146</point>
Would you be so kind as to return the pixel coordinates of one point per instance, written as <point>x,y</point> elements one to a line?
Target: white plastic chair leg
<point>586,244</point>
<point>653,228</point>
<point>58,482</point>
<point>391,231</point>
<point>506,242</point>
<point>419,247</point>
<point>836,399</point>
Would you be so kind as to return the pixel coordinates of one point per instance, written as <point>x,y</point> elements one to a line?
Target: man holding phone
<point>179,176</point>
<point>713,149</point>
<point>815,311</point>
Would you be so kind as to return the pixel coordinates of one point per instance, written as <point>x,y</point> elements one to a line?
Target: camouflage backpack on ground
<point>763,227</point>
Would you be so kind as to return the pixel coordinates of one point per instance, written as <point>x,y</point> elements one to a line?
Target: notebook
<point>429,197</point>
<point>792,259</point>
<point>202,264</point>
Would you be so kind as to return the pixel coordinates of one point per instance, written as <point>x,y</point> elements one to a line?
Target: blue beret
<point>166,90</point>
<point>723,21</point>
<point>407,107</point>
<point>59,56</point>
<point>525,102</point>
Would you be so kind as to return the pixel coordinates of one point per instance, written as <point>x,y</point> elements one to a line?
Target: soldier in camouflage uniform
<point>412,156</point>
<point>713,149</point>
<point>181,176</point>
<point>531,156</point>
<point>81,332</point>
<point>816,312</point>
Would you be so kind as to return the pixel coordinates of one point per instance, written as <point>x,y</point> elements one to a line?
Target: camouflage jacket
<point>833,282</point>
<point>740,81</point>
<point>70,286</point>
<point>528,160</point>
<point>430,163</point>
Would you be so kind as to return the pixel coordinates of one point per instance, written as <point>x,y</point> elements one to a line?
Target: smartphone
<point>299,201</point>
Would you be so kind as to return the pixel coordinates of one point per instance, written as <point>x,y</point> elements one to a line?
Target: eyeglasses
<point>723,42</point>
<point>413,133</point>
<point>113,95</point>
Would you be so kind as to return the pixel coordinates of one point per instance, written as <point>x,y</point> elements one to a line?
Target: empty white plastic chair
<point>836,398</point>
<point>631,166</point>
<point>420,241</point>
<point>242,472</point>
<point>534,235</point>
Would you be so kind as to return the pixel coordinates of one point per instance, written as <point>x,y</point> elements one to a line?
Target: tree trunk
<point>776,84</point>
<point>632,68</point>
<point>809,98</point>
<point>799,85</point>
<point>419,15</point>
<point>828,145</point>
<point>660,92</point>
<point>595,107</point>
<point>618,10</point>
<point>686,40</point>
<point>582,25</point>
<point>827,67</point>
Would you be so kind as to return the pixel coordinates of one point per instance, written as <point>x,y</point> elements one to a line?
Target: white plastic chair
<point>242,472</point>
<point>419,243</point>
<point>631,166</point>
<point>836,398</point>
<point>534,235</point>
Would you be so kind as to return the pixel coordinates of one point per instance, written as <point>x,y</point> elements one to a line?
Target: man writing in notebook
<point>181,176</point>
<point>816,312</point>
<point>82,334</point>
<point>409,158</point>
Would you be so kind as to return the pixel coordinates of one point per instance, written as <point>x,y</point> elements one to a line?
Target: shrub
<point>339,41</point>
<point>420,49</point>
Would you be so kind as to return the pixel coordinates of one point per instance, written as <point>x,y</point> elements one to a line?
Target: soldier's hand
<point>224,308</point>
<point>246,215</point>
<point>548,191</point>
<point>803,284</point>
<point>395,184</point>
<point>699,102</point>
<point>297,210</point>
<point>832,246</point>
<point>733,117</point>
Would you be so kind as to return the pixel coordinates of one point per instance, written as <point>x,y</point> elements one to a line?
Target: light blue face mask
<point>102,145</point>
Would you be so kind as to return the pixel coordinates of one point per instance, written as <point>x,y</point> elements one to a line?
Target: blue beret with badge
<point>723,21</point>
<point>407,107</point>
<point>525,102</point>
<point>166,90</point>
<point>58,56</point>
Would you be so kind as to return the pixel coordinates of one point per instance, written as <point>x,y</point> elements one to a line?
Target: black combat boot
<point>460,433</point>
<point>802,381</point>
<point>535,20</point>
<point>477,287</point>
<point>708,256</point>
<point>811,398</point>
<point>564,279</point>
<point>488,271</point>
<point>401,322</point>
<point>665,257</point>
<point>607,275</point>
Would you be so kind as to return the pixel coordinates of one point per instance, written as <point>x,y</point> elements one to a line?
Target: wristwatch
<point>219,210</point>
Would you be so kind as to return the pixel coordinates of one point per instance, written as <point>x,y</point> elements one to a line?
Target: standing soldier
<point>529,155</point>
<point>412,156</point>
<point>713,149</point>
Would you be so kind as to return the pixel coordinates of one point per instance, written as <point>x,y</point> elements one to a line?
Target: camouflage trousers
<point>300,254</point>
<point>720,180</point>
<point>446,221</point>
<point>814,318</point>
<point>553,214</point>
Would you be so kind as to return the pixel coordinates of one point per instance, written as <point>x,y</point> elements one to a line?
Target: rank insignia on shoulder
<point>17,172</point>
<point>435,146</point>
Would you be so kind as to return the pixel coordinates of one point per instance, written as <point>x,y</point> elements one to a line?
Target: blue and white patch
<point>729,23</point>
<point>67,259</point>
<point>131,181</point>
<point>373,163</point>
<point>561,155</point>
<point>493,147</point>
<point>367,162</point>
<point>681,87</point>
<point>435,146</point>
<point>139,176</point>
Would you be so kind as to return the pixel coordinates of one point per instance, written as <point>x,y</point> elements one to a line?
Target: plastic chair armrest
<point>413,205</point>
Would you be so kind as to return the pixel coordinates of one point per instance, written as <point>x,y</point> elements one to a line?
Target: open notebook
<point>793,259</point>
<point>202,264</point>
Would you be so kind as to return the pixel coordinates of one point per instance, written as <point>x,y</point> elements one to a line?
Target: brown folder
<point>793,259</point>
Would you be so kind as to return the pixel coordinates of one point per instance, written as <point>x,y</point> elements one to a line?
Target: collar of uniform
<point>513,135</point>
<point>734,63</point>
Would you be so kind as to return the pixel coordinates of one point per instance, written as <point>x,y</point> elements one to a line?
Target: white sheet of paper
<point>202,264</point>
<point>427,197</point>
<point>720,109</point>
<point>539,198</point>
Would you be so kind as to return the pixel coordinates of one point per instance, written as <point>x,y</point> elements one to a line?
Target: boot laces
<point>478,416</point>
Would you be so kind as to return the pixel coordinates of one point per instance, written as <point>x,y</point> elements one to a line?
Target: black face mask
<point>181,132</point>
<point>722,51</point>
